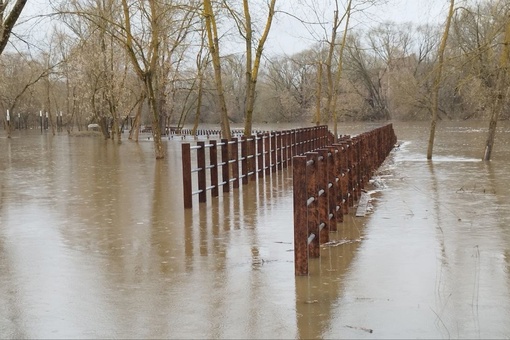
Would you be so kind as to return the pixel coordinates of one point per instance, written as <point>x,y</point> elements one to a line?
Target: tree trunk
<point>199,101</point>
<point>329,68</point>
<point>318,94</point>
<point>8,127</point>
<point>153,108</point>
<point>340,69</point>
<point>501,93</point>
<point>212,36</point>
<point>252,73</point>
<point>437,81</point>
<point>135,129</point>
<point>7,23</point>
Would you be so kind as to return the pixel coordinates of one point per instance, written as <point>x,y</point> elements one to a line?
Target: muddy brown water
<point>94,243</point>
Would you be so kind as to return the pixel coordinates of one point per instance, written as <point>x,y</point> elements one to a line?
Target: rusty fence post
<point>202,194</point>
<point>244,160</point>
<point>279,151</point>
<point>267,154</point>
<point>300,216</point>
<point>260,155</point>
<point>186,175</point>
<point>252,158</point>
<point>333,181</point>
<point>323,195</point>
<point>312,203</point>
<point>235,162</point>
<point>225,173</point>
<point>287,148</point>
<point>213,155</point>
<point>293,149</point>
<point>273,151</point>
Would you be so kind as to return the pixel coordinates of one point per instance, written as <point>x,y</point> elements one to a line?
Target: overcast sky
<point>288,35</point>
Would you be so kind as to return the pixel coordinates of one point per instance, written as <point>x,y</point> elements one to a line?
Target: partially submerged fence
<point>179,133</point>
<point>209,166</point>
<point>327,182</point>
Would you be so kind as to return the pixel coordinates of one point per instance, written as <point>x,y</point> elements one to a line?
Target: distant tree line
<point>124,63</point>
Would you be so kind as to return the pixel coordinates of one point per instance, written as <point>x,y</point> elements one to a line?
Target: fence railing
<point>176,133</point>
<point>327,182</point>
<point>207,166</point>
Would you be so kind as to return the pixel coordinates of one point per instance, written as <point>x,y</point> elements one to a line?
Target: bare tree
<point>214,49</point>
<point>8,17</point>
<point>437,79</point>
<point>252,65</point>
<point>501,90</point>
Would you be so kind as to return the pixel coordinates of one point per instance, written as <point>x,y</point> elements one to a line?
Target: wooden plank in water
<point>362,205</point>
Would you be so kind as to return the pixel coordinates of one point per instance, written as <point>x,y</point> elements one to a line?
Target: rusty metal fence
<point>327,182</point>
<point>207,166</point>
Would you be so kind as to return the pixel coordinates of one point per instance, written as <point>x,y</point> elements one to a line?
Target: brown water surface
<point>94,243</point>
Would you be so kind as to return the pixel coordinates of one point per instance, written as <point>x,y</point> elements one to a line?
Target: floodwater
<point>94,243</point>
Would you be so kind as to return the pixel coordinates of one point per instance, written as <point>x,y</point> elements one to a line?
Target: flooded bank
<point>94,243</point>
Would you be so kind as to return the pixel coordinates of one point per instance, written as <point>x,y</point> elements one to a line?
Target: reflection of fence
<point>260,155</point>
<point>326,184</point>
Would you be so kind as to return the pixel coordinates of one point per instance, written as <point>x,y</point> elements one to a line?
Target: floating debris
<point>309,302</point>
<point>368,330</point>
<point>336,243</point>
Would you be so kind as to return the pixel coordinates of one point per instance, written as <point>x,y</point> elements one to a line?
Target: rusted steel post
<point>333,207</point>
<point>313,211</point>
<point>235,162</point>
<point>267,154</point>
<point>302,141</point>
<point>323,195</point>
<point>279,150</point>
<point>350,172</point>
<point>372,153</point>
<point>300,216</point>
<point>293,146</point>
<point>379,151</point>
<point>186,175</point>
<point>363,165</point>
<point>297,143</point>
<point>356,188</point>
<point>225,174</point>
<point>213,155</point>
<point>306,139</point>
<point>339,181</point>
<point>260,155</point>
<point>287,148</point>
<point>273,151</point>
<point>252,172</point>
<point>344,180</point>
<point>202,195</point>
<point>284,148</point>
<point>244,160</point>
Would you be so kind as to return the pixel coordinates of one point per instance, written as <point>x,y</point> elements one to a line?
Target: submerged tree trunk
<point>146,72</point>
<point>135,128</point>
<point>7,124</point>
<point>500,93</point>
<point>437,81</point>
<point>153,108</point>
